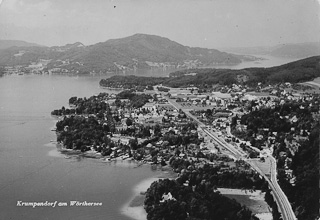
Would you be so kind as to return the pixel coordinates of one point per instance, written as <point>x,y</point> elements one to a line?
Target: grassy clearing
<point>254,200</point>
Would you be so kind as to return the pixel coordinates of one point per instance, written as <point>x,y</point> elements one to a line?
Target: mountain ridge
<point>292,50</point>
<point>5,44</point>
<point>130,53</point>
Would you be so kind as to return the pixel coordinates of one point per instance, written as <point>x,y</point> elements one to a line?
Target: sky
<point>196,23</point>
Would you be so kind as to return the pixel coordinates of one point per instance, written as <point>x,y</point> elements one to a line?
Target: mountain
<point>5,44</point>
<point>299,50</point>
<point>129,53</point>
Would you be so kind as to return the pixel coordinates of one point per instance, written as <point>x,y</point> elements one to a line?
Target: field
<point>254,200</point>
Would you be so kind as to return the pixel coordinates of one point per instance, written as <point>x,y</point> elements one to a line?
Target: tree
<point>129,122</point>
<point>157,129</point>
<point>133,143</point>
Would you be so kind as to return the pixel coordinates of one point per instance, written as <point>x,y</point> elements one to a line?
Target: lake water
<point>32,170</point>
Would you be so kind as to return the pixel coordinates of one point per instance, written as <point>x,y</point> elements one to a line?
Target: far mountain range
<point>139,51</point>
<point>298,50</point>
<point>130,53</point>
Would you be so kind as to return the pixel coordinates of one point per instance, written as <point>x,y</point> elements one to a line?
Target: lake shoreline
<point>134,207</point>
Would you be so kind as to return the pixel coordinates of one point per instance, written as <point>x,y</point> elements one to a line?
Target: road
<point>282,201</point>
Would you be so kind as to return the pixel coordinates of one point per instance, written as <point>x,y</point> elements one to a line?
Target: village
<point>160,128</point>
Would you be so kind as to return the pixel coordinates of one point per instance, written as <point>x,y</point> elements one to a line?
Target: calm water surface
<point>31,169</point>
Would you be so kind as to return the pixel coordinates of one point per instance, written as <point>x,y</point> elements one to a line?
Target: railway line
<point>282,201</point>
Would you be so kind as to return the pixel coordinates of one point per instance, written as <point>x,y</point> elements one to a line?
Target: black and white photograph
<point>159,109</point>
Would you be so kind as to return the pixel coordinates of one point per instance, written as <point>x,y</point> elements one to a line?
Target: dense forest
<point>136,100</point>
<point>305,165</point>
<point>131,81</point>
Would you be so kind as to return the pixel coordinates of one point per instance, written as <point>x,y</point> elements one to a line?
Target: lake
<point>31,168</point>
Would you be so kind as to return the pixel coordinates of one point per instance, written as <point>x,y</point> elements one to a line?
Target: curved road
<point>280,197</point>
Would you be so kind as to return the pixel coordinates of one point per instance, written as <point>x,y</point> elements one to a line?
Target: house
<point>149,106</point>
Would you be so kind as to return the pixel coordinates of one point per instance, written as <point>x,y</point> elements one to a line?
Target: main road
<point>281,199</point>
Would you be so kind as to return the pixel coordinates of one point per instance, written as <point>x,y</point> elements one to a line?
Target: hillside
<point>5,44</point>
<point>295,72</point>
<point>129,53</point>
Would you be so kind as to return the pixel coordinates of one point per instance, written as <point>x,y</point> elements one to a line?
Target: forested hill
<point>129,53</point>
<point>294,72</point>
<point>298,71</point>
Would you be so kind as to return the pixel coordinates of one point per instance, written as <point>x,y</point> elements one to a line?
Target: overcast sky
<point>202,23</point>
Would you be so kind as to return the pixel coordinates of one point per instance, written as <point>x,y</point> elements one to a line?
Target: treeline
<point>136,100</point>
<point>92,105</point>
<point>131,82</point>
